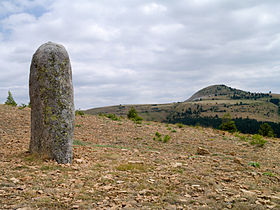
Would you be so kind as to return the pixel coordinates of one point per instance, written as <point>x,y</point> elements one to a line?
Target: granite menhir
<point>52,106</point>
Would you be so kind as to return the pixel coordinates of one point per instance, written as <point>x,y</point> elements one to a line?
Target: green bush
<point>133,115</point>
<point>258,140</point>
<point>79,112</point>
<point>228,124</point>
<point>179,125</point>
<point>10,100</point>
<point>266,130</point>
<point>166,139</point>
<point>113,117</point>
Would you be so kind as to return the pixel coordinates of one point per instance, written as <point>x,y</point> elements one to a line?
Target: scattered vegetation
<point>258,140</point>
<point>125,163</point>
<point>112,117</point>
<point>241,137</point>
<point>22,106</point>
<point>158,137</point>
<point>10,100</point>
<point>228,124</point>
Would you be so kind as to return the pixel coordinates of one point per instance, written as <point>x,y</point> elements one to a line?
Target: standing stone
<point>52,106</point>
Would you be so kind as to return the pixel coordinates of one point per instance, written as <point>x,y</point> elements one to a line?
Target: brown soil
<point>117,164</point>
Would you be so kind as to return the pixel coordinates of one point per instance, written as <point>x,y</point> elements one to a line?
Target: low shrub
<point>10,100</point>
<point>258,140</point>
<point>158,137</point>
<point>133,115</point>
<point>254,164</point>
<point>79,112</point>
<point>113,117</point>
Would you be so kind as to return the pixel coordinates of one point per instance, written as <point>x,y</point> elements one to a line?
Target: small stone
<point>243,199</point>
<point>144,192</point>
<point>275,198</point>
<point>151,180</point>
<point>238,160</point>
<point>263,201</point>
<point>79,160</point>
<point>176,165</point>
<point>135,162</point>
<point>271,206</point>
<point>187,195</point>
<point>229,200</point>
<point>14,180</point>
<point>248,193</point>
<point>40,192</point>
<point>202,151</point>
<point>119,182</point>
<point>108,187</point>
<point>229,206</point>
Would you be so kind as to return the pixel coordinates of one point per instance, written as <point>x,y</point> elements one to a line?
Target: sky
<point>143,51</point>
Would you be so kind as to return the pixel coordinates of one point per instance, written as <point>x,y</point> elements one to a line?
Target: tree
<point>10,100</point>
<point>228,124</point>
<point>266,130</point>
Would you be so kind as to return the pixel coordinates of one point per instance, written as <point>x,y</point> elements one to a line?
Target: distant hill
<point>207,106</point>
<point>218,92</point>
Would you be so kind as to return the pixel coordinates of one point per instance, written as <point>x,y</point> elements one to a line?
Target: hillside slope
<point>117,164</point>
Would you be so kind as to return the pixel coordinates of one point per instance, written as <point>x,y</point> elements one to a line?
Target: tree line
<point>243,125</point>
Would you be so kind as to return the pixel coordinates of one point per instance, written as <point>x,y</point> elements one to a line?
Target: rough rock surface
<point>52,107</point>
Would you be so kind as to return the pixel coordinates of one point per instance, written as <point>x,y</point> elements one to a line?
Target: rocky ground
<point>118,164</point>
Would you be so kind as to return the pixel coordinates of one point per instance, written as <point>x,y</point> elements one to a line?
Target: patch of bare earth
<point>117,164</point>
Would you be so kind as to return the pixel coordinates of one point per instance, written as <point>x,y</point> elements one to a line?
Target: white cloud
<point>153,8</point>
<point>163,29</point>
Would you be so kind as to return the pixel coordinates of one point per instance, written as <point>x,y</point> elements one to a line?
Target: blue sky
<point>142,51</point>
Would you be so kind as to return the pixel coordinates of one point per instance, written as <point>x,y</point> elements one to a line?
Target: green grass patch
<point>269,174</point>
<point>254,164</point>
<point>80,143</point>
<point>21,167</point>
<point>241,137</point>
<point>109,146</point>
